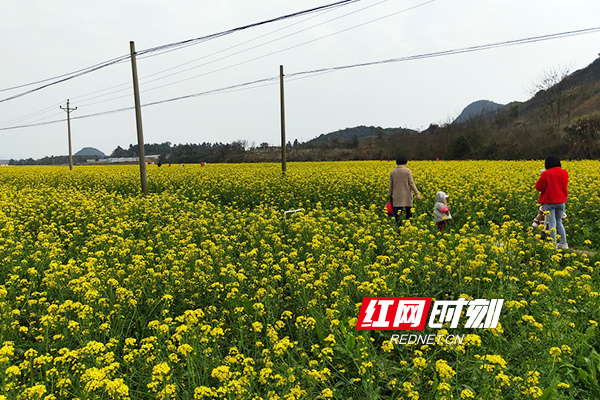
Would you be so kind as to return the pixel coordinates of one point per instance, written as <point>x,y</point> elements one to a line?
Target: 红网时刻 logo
<point>411,313</point>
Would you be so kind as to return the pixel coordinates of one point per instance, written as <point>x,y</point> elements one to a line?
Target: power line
<point>315,72</point>
<point>213,61</point>
<point>85,97</point>
<point>458,51</point>
<point>75,73</point>
<point>416,57</point>
<point>282,50</point>
<point>33,115</point>
<point>162,49</point>
<point>174,46</point>
<point>261,56</point>
<point>119,110</point>
<point>66,78</point>
<point>256,38</point>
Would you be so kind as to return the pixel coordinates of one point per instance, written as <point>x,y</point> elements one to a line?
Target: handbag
<point>389,209</point>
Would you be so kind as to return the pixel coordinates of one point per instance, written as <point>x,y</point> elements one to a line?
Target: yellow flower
<point>555,351</point>
<point>563,385</point>
<point>445,371</point>
<point>185,349</point>
<point>221,373</point>
<point>12,371</point>
<point>209,259</point>
<point>420,362</point>
<point>330,339</point>
<point>257,326</point>
<point>160,371</point>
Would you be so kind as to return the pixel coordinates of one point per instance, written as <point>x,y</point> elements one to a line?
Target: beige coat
<point>401,185</point>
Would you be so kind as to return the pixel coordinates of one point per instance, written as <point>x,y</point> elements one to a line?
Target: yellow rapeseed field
<point>203,290</point>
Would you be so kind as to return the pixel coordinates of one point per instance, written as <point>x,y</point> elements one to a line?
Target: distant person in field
<point>552,185</point>
<point>441,212</point>
<point>402,187</point>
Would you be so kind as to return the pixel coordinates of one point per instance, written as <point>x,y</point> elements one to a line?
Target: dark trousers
<point>398,211</point>
<point>442,225</point>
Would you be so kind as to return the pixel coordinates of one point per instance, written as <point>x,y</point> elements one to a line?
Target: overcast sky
<point>43,39</point>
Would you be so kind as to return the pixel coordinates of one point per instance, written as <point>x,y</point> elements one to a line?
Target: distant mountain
<point>90,151</point>
<point>358,134</point>
<point>476,109</point>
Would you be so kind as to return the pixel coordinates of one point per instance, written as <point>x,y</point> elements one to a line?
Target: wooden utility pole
<point>68,110</point>
<point>283,167</point>
<point>138,120</point>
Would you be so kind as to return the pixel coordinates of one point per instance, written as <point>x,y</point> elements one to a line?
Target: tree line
<point>499,136</point>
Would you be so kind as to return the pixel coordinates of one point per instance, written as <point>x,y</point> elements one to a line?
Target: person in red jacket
<point>552,186</point>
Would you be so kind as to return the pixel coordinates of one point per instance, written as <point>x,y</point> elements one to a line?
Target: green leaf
<point>586,232</point>
<point>351,342</point>
<point>248,307</point>
<point>343,328</point>
<point>319,333</point>
<point>583,376</point>
<point>341,350</point>
<point>590,331</point>
<point>550,392</point>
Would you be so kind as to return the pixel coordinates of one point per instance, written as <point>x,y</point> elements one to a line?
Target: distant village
<point>151,159</point>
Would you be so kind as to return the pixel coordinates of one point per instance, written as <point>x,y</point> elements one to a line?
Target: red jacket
<point>552,186</point>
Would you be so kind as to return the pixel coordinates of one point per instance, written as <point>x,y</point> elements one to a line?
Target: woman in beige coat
<point>402,187</point>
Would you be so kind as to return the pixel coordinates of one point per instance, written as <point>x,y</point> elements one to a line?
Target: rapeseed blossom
<point>204,290</point>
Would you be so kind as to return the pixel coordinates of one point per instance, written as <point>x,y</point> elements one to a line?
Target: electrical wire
<point>262,44</point>
<point>299,75</point>
<point>208,92</point>
<point>80,71</point>
<point>458,51</point>
<point>162,49</point>
<point>143,79</point>
<point>265,55</point>
<point>67,77</point>
<point>174,46</point>
<point>32,115</point>
<point>85,97</point>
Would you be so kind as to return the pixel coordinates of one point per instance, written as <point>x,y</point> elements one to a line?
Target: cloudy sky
<point>45,39</point>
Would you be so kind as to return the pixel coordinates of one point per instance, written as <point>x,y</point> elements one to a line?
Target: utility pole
<point>283,167</point>
<point>68,110</point>
<point>138,120</point>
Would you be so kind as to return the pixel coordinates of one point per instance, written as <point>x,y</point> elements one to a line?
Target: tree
<point>551,89</point>
<point>460,147</point>
<point>354,143</point>
<point>584,134</point>
<point>119,152</point>
<point>237,146</point>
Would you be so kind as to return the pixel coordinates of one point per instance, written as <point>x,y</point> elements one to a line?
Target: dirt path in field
<point>586,252</point>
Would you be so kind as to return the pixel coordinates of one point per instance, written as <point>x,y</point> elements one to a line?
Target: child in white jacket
<point>441,212</point>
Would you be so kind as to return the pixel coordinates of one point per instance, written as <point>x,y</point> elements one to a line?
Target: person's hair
<point>552,161</point>
<point>401,161</point>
